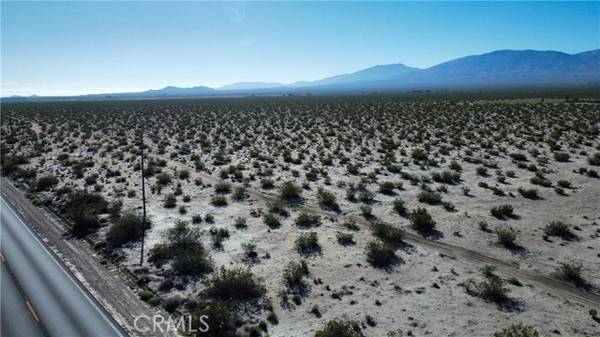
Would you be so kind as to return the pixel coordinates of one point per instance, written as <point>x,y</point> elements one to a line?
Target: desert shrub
<point>399,206</point>
<point>540,180</point>
<point>290,191</point>
<point>183,246</point>
<point>560,229</point>
<point>278,206</point>
<point>197,218</point>
<point>516,156</point>
<point>236,284</point>
<point>561,156</point>
<point>421,220</point>
<point>429,197</point>
<point>327,200</point>
<point>507,236</point>
<point>340,328</point>
<point>170,201</point>
<point>446,177</point>
<point>271,220</point>
<point>571,271</point>
<point>564,184</point>
<point>492,288</point>
<point>594,159</point>
<point>502,211</point>
<point>219,201</point>
<point>249,249</point>
<point>239,193</point>
<point>218,235</point>
<point>294,273</point>
<point>518,330</point>
<point>306,219</point>
<point>366,211</point>
<point>163,178</point>
<point>126,228</point>
<point>529,193</point>
<point>240,222</point>
<point>387,187</point>
<point>307,243</point>
<point>381,254</point>
<point>220,319</point>
<point>418,154</point>
<point>46,182</point>
<point>83,208</point>
<point>91,179</point>
<point>267,184</point>
<point>172,303</point>
<point>223,187</point>
<point>344,239</point>
<point>366,196</point>
<point>387,233</point>
<point>482,171</point>
<point>184,174</point>
<point>455,166</point>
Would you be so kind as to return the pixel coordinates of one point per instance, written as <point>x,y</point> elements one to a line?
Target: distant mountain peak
<point>496,69</point>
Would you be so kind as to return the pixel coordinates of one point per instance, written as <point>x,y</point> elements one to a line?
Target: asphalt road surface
<point>40,297</point>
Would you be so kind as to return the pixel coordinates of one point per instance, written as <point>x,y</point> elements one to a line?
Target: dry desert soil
<point>332,216</point>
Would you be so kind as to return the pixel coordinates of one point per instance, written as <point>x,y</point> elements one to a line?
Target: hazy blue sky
<point>74,48</point>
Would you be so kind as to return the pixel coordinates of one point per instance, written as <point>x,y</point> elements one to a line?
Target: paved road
<point>64,308</point>
<point>17,319</point>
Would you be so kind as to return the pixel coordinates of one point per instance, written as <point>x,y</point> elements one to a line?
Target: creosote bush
<point>127,228</point>
<point>170,201</point>
<point>399,206</point>
<point>507,236</point>
<point>236,284</point>
<point>46,182</point>
<point>560,229</point>
<point>290,191</point>
<point>387,233</point>
<point>571,271</point>
<point>306,219</point>
<point>219,201</point>
<point>529,193</point>
<point>429,197</point>
<point>307,243</point>
<point>344,239</point>
<point>83,208</point>
<point>271,220</point>
<point>183,247</point>
<point>502,211</point>
<point>518,330</point>
<point>294,273</point>
<point>327,200</point>
<point>340,328</point>
<point>421,220</point>
<point>381,254</point>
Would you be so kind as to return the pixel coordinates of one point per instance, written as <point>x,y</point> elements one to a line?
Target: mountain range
<point>497,69</point>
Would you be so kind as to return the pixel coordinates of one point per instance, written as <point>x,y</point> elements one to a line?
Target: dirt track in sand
<point>552,284</point>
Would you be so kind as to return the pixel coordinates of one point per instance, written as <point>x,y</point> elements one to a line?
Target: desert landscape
<point>372,215</point>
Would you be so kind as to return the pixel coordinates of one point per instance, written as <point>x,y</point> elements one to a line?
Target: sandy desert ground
<point>405,217</point>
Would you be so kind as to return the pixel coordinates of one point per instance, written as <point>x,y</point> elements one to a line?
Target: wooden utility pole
<point>143,197</point>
